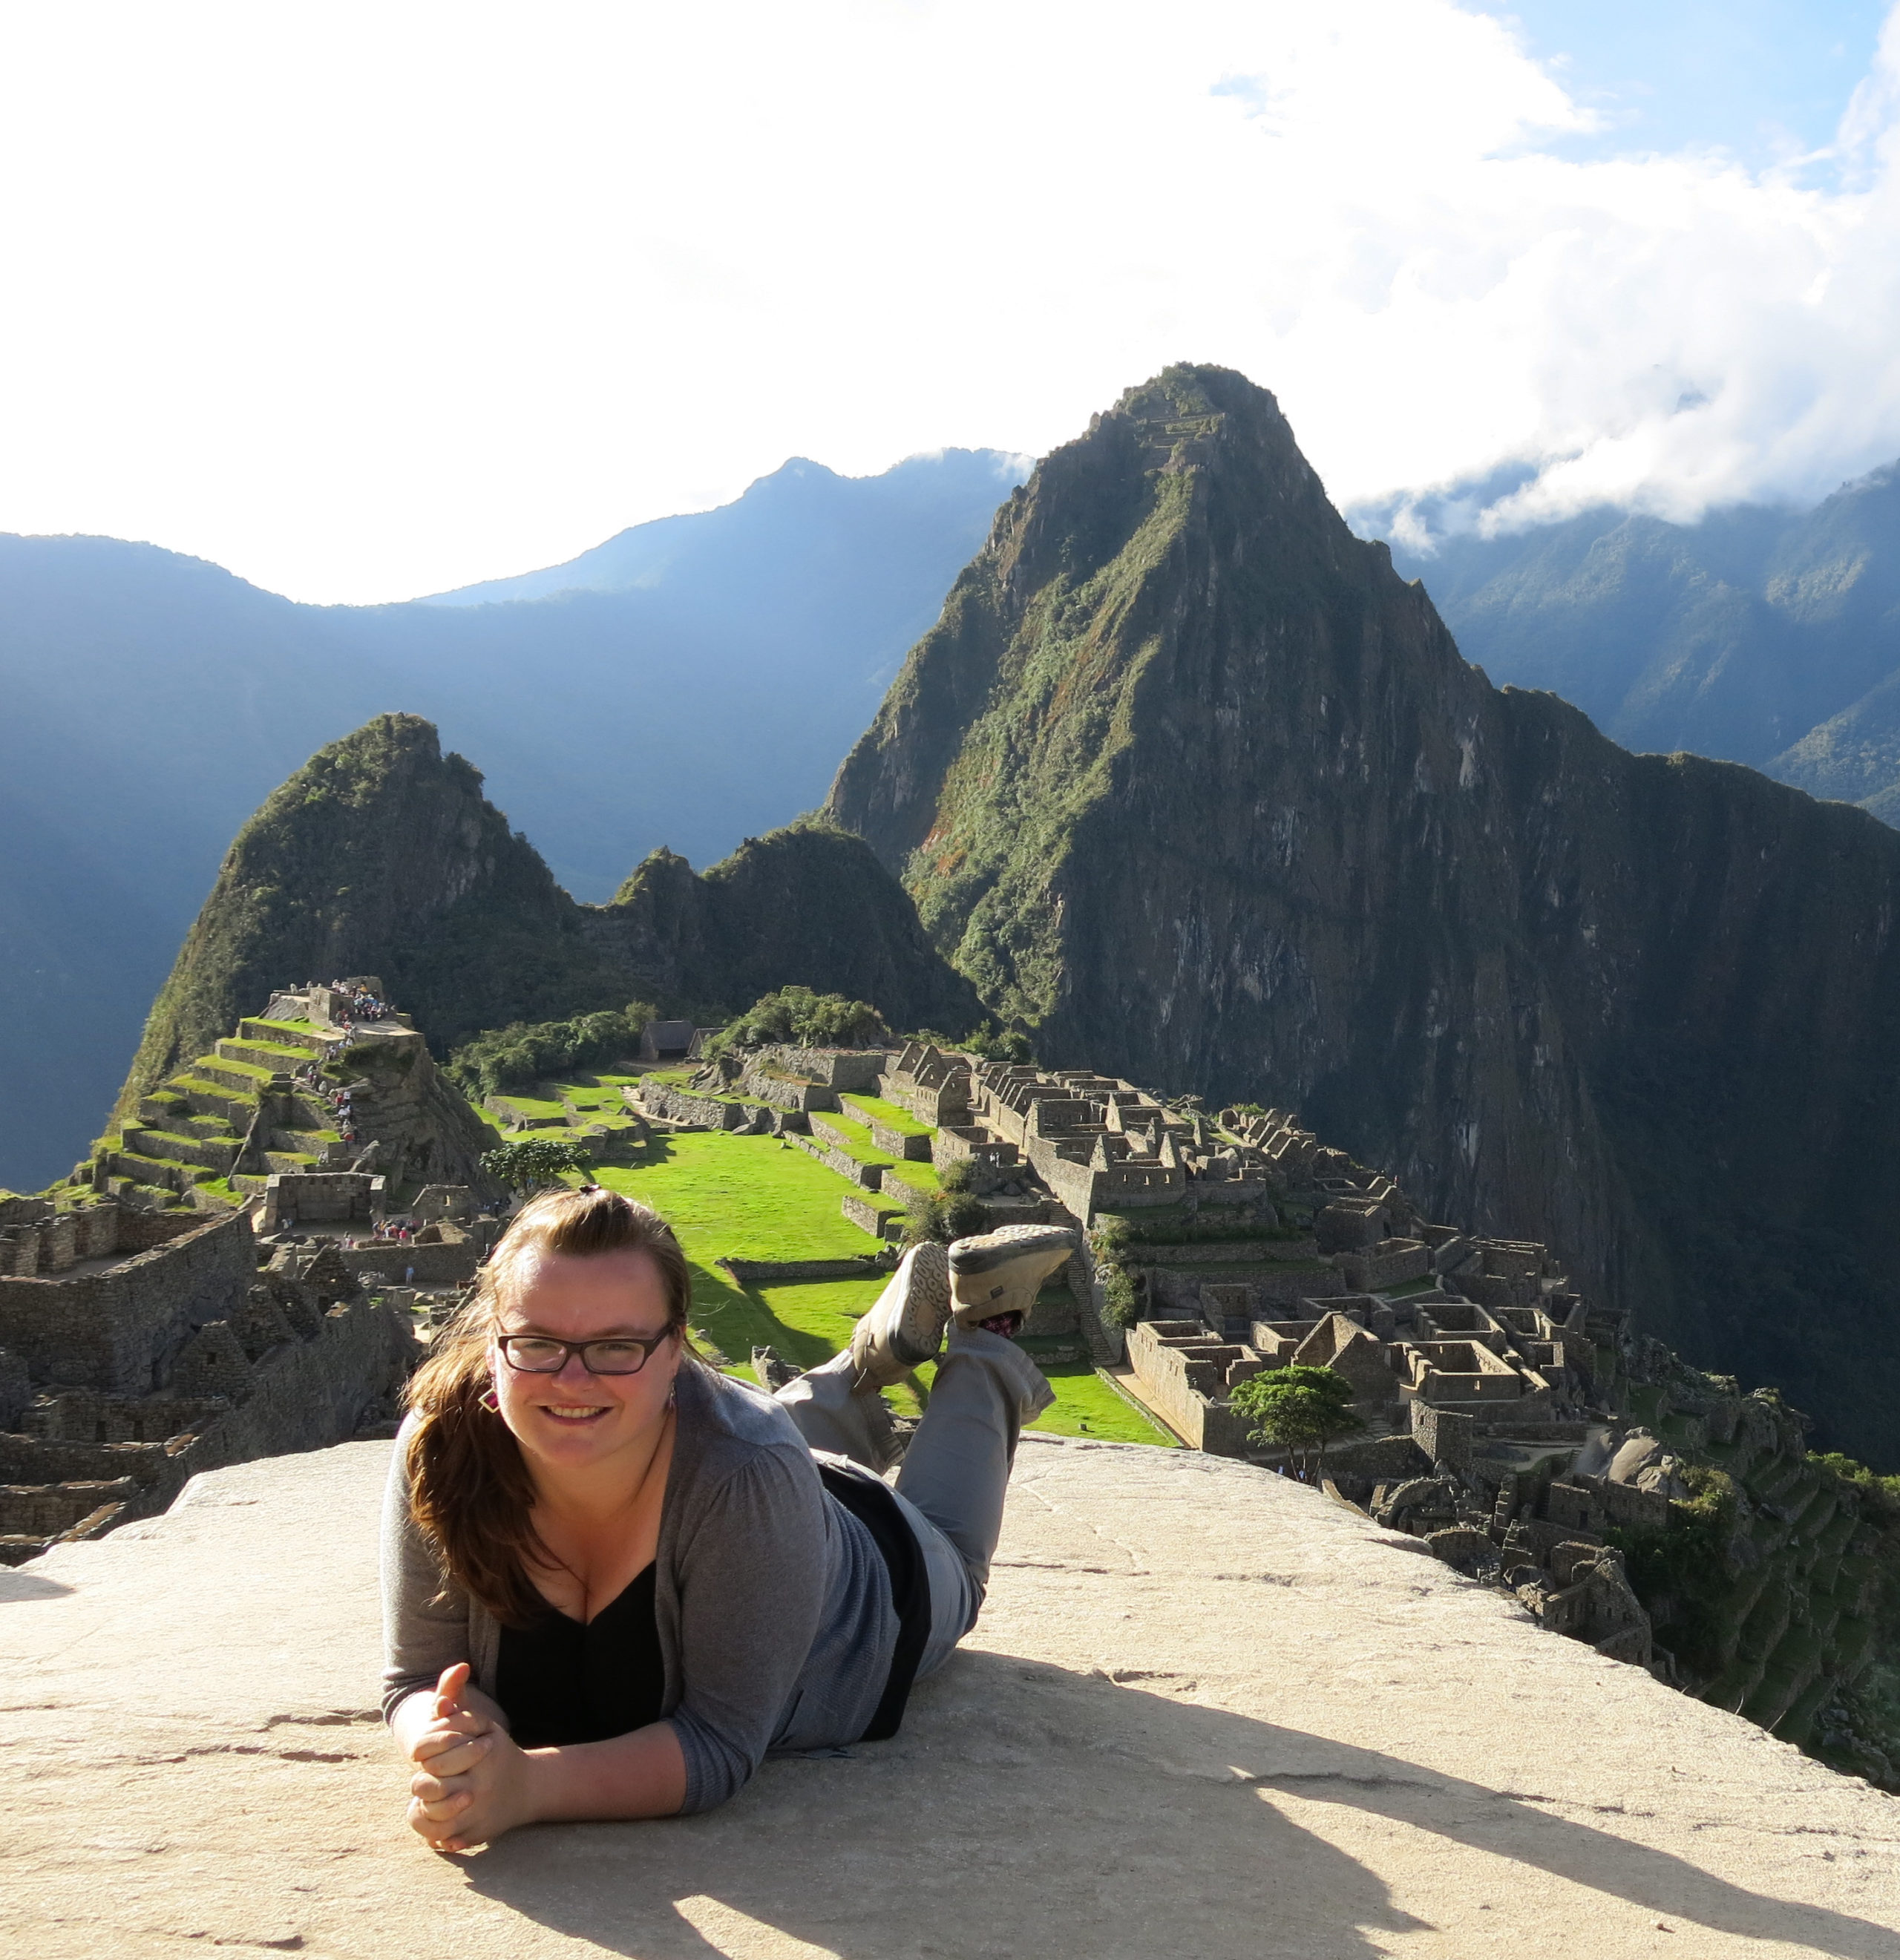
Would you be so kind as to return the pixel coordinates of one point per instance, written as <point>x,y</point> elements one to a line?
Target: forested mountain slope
<point>381,855</point>
<point>1189,779</point>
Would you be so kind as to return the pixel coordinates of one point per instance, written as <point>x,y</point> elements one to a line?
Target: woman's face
<point>572,1420</point>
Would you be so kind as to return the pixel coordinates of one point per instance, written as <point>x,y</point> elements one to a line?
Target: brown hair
<point>470,1491</point>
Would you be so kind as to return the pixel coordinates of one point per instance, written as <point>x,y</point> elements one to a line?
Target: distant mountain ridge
<point>1763,635</point>
<point>903,514</point>
<point>152,701</point>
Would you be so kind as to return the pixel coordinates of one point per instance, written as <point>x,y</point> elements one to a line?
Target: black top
<point>560,1681</point>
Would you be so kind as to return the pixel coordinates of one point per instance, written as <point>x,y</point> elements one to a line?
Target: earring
<point>491,1402</point>
<point>673,1395</point>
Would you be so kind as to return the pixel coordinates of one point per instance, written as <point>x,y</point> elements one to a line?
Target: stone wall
<point>680,1105</point>
<point>117,1330</point>
<point>871,1176</point>
<point>770,1272</point>
<point>866,1216</point>
<point>322,1197</point>
<point>1175,1373</point>
<point>451,1262</point>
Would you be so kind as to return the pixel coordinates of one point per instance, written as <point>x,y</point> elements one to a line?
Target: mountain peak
<point>1190,781</point>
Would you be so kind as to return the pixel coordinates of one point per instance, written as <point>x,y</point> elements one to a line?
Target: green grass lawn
<point>525,1105</point>
<point>747,1197</point>
<point>751,1198</point>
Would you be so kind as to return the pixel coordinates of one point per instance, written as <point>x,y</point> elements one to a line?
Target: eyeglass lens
<point>533,1356</point>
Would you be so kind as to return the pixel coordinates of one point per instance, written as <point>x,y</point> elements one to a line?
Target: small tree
<point>806,1020</point>
<point>1299,1410</point>
<point>535,1161</point>
<point>944,1216</point>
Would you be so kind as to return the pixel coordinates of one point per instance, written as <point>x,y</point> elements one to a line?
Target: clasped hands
<point>472,1780</point>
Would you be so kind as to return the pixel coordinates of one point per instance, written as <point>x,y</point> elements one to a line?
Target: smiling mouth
<point>573,1412</point>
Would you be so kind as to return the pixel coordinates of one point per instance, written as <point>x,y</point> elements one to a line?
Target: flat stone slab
<point>1207,1713</point>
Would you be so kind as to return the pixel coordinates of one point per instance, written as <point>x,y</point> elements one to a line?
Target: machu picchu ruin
<point>220,1281</point>
<point>1523,1432</point>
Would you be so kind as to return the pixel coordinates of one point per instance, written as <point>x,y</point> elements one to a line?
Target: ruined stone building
<point>1511,1422</point>
<point>138,1348</point>
<point>195,1295</point>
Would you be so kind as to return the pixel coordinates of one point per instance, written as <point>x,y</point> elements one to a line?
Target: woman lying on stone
<point>615,1580</point>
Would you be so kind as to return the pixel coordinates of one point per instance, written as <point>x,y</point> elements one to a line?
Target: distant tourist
<point>616,1579</point>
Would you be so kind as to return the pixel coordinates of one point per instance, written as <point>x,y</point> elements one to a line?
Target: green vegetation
<point>1085,1405</point>
<point>1173,1225</point>
<point>1681,1573</point>
<point>798,1017</point>
<point>536,1161</point>
<point>872,1109</point>
<point>753,1198</point>
<point>749,1198</point>
<point>941,1215</point>
<point>1297,1409</point>
<point>1009,1045</point>
<point>349,865</point>
<point>522,1053</point>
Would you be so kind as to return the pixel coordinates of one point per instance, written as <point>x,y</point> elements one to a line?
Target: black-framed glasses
<point>540,1354</point>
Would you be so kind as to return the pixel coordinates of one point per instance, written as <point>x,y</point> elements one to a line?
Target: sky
<point>368,301</point>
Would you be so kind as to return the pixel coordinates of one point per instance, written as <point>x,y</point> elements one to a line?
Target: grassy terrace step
<point>1734,1684</point>
<point>840,1133</point>
<point>1851,1640</point>
<point>1818,1513</point>
<point>298,1035</point>
<point>272,1057</point>
<point>203,1153</point>
<point>1771,1482</point>
<point>144,1170</point>
<point>226,1072</point>
<point>214,1099</point>
<point>1798,1722</point>
<point>870,1109</point>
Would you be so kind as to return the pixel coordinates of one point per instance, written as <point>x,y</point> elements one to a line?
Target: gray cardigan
<point>772,1602</point>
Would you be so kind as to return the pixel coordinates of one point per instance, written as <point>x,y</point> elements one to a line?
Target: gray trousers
<point>952,1482</point>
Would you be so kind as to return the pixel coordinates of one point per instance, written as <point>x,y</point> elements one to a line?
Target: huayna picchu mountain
<point>382,855</point>
<point>1189,781</point>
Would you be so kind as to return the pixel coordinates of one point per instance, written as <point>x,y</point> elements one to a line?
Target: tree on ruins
<point>535,1161</point>
<point>1299,1410</point>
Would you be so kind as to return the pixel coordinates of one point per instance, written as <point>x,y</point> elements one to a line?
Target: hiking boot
<point>1001,1272</point>
<point>905,1328</point>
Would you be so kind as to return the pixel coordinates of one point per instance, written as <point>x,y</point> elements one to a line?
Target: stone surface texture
<point>1207,1712</point>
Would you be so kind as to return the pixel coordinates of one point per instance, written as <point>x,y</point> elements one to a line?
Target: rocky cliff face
<point>1188,779</point>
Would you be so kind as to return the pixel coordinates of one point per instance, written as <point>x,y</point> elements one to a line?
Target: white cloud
<point>369,301</point>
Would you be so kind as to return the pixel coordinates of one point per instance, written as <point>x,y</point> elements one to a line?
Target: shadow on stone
<point>28,1585</point>
<point>1028,1808</point>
